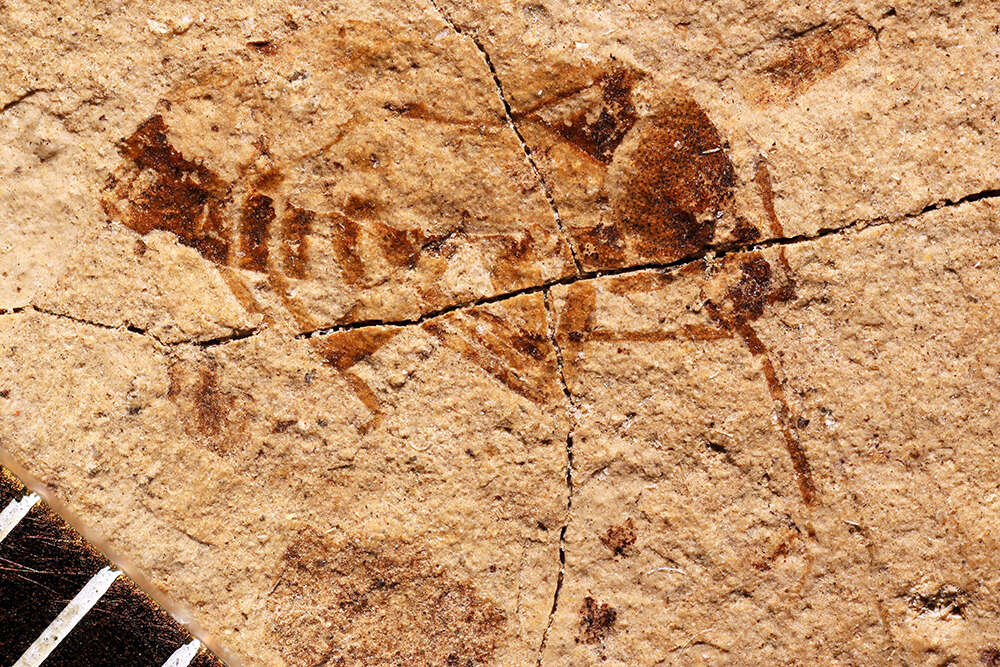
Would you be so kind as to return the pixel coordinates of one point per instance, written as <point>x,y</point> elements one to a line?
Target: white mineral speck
<point>157,27</point>
<point>181,25</point>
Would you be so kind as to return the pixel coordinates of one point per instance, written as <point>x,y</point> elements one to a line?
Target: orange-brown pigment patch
<point>598,133</point>
<point>597,620</point>
<point>209,414</point>
<point>664,193</point>
<point>345,349</point>
<point>255,225</point>
<point>809,59</point>
<point>518,354</point>
<point>677,180</point>
<point>619,538</point>
<point>385,603</point>
<point>755,287</point>
<point>182,197</point>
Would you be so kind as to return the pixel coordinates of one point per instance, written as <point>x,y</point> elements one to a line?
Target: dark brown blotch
<point>210,406</point>
<point>360,207</point>
<point>811,58</point>
<point>744,232</point>
<point>596,620</point>
<point>344,234</point>
<point>599,132</point>
<point>673,184</point>
<point>990,657</point>
<point>401,246</point>
<point>182,197</point>
<point>758,286</point>
<point>749,294</point>
<point>515,262</point>
<point>208,412</point>
<point>296,226</point>
<point>513,348</point>
<point>347,348</point>
<point>255,226</point>
<point>602,245</point>
<point>619,538</point>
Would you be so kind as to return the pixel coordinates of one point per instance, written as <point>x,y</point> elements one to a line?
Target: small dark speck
<point>5,393</point>
<point>134,410</point>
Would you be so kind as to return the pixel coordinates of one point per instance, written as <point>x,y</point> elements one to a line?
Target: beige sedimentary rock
<point>516,333</point>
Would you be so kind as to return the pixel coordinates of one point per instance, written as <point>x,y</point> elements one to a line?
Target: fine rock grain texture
<point>450,332</point>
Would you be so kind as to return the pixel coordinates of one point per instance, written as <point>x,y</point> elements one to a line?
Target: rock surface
<point>516,333</point>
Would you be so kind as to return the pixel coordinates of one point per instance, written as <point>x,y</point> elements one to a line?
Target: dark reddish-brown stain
<point>345,242</point>
<point>517,260</point>
<point>755,287</point>
<point>401,248</point>
<point>762,178</point>
<point>676,180</point>
<point>990,657</point>
<point>208,412</point>
<point>672,181</point>
<point>601,245</point>
<point>184,198</point>
<point>255,225</point>
<point>263,46</point>
<point>343,350</point>
<point>363,593</point>
<point>296,225</point>
<point>270,179</point>
<point>599,132</point>
<point>747,299</point>
<point>744,232</point>
<point>810,58</point>
<point>752,291</point>
<point>518,354</point>
<point>360,207</point>
<point>619,538</point>
<point>763,181</point>
<point>597,619</point>
<point>210,408</point>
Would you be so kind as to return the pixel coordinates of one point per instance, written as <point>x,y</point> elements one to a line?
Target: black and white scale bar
<point>63,604</point>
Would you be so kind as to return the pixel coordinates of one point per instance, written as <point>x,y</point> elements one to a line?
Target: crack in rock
<point>509,117</point>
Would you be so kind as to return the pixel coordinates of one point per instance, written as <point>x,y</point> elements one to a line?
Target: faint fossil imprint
<point>666,173</point>
<point>756,286</point>
<point>809,57</point>
<point>679,177</point>
<point>159,189</point>
<point>373,589</point>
